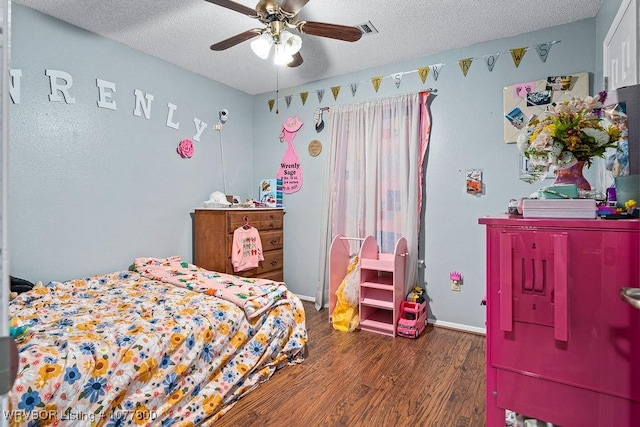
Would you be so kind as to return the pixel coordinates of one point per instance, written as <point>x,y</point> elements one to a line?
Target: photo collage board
<point>523,101</point>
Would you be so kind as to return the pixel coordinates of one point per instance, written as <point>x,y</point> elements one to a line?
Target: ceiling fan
<point>278,17</point>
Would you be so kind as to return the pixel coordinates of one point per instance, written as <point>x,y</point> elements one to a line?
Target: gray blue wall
<point>467,133</point>
<point>92,188</point>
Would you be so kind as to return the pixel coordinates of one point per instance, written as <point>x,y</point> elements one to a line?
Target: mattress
<point>124,349</point>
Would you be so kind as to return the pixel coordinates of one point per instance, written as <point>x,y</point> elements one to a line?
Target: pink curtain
<point>425,133</point>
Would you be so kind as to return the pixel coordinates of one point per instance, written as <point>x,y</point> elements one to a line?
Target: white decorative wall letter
<point>170,122</point>
<point>146,106</point>
<point>54,76</point>
<point>200,126</point>
<point>104,97</point>
<point>14,85</point>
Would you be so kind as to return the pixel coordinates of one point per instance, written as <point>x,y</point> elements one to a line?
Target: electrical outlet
<point>456,280</point>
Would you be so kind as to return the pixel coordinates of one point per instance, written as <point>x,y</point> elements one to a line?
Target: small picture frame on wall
<point>526,169</point>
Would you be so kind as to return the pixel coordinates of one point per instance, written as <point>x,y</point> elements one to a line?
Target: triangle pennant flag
<point>303,97</point>
<point>376,82</point>
<point>491,60</point>
<point>397,78</point>
<point>423,72</point>
<point>518,54</point>
<point>335,90</point>
<point>271,102</point>
<point>436,71</point>
<point>544,48</point>
<point>320,93</point>
<point>465,64</point>
<point>287,99</point>
<point>354,88</point>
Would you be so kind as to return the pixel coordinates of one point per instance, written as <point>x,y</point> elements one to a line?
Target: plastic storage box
<point>559,208</point>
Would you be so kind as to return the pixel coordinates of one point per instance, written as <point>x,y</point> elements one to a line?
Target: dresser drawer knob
<point>273,241</point>
<point>274,263</point>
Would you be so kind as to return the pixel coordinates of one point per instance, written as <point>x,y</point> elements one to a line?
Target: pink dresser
<point>562,345</point>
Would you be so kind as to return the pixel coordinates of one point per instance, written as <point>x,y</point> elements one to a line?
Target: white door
<point>620,67</point>
<point>620,48</point>
<point>6,344</point>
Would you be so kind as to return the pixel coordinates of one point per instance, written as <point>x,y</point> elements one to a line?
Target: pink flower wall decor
<point>185,149</point>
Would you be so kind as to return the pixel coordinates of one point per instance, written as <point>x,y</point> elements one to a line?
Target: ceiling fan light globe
<point>281,57</point>
<point>292,44</point>
<point>262,45</point>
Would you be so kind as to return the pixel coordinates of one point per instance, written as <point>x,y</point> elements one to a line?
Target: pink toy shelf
<point>413,319</point>
<point>382,286</point>
<point>382,281</point>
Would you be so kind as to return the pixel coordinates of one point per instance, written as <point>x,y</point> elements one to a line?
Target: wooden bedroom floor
<point>366,379</point>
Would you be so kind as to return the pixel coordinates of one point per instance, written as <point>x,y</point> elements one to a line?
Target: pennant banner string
<point>354,88</point>
<point>423,72</point>
<point>491,59</point>
<point>303,97</point>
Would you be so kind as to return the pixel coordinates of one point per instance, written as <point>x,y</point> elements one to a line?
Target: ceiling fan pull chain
<point>277,90</point>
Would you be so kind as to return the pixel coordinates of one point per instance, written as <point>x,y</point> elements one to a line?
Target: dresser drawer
<point>270,220</point>
<point>275,275</point>
<point>272,261</point>
<point>270,240</point>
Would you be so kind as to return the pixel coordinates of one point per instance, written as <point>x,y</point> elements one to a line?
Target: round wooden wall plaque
<point>315,147</point>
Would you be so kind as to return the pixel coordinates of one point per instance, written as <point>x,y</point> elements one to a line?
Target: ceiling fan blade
<point>238,38</point>
<point>297,61</point>
<point>332,31</point>
<point>293,7</point>
<point>237,7</point>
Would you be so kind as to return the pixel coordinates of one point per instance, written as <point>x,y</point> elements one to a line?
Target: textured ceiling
<point>180,32</point>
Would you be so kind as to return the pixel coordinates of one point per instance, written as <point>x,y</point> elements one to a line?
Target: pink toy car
<point>413,319</point>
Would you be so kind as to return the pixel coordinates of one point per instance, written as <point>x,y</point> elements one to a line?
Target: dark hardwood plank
<point>366,379</point>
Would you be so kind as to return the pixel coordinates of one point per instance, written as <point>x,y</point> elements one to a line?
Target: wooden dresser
<point>213,237</point>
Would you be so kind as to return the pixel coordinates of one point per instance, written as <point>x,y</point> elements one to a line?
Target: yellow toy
<point>345,316</point>
<point>416,295</point>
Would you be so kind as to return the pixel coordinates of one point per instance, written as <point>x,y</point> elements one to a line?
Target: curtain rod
<point>429,90</point>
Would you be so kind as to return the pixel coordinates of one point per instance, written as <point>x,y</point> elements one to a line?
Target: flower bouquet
<point>565,134</point>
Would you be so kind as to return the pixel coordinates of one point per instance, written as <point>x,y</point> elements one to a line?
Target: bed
<point>165,343</point>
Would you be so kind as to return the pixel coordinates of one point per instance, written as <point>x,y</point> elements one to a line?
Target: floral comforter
<point>122,349</point>
<point>253,295</point>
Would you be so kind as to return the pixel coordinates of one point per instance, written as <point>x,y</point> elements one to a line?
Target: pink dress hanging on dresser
<point>290,170</point>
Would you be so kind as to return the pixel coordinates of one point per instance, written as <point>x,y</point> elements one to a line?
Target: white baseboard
<point>458,327</point>
<point>306,298</point>
<point>438,323</point>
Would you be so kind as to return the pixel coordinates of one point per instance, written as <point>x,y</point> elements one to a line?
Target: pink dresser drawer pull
<point>560,280</point>
<point>631,296</point>
<point>506,283</point>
